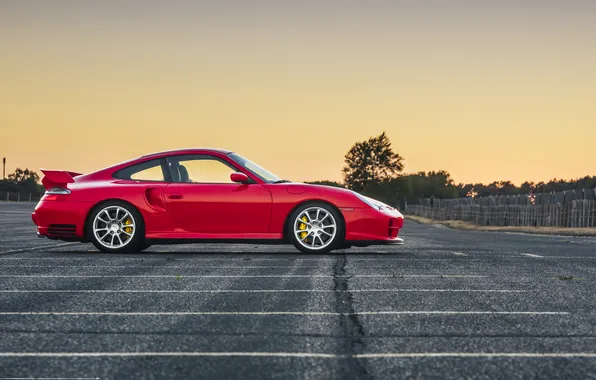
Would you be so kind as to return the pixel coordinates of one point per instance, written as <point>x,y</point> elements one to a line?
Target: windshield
<point>255,169</point>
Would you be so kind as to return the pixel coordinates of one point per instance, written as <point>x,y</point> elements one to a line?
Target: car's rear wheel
<point>116,227</point>
<point>316,227</point>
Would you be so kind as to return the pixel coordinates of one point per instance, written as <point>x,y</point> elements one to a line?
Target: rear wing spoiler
<point>57,178</point>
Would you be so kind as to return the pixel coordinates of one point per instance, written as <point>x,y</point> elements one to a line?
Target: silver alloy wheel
<point>114,227</point>
<point>317,231</point>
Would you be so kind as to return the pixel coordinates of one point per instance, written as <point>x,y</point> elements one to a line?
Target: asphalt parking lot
<point>448,304</point>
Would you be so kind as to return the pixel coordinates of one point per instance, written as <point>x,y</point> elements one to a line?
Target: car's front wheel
<point>316,227</point>
<point>116,227</point>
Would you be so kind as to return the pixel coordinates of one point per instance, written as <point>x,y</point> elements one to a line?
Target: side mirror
<point>239,177</point>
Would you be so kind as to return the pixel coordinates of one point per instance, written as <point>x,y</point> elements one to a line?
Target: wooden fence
<point>19,197</point>
<point>511,211</point>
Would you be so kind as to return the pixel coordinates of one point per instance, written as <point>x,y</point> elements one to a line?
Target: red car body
<point>175,212</point>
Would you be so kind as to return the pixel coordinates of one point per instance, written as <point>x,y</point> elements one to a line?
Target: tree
<point>371,161</point>
<point>26,180</point>
<point>21,176</point>
<point>438,184</point>
<point>326,183</point>
<point>526,187</point>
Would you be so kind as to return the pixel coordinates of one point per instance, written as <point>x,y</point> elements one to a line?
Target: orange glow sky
<point>487,90</point>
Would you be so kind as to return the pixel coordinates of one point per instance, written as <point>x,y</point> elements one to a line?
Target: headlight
<point>377,205</point>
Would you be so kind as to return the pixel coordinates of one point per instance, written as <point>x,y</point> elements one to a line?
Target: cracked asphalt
<point>447,305</point>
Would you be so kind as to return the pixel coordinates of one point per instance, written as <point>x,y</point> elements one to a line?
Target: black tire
<point>335,242</point>
<point>136,243</point>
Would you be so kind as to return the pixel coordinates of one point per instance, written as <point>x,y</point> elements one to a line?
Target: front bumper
<point>367,226</point>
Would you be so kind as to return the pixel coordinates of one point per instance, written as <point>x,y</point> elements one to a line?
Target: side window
<point>199,169</point>
<point>145,171</point>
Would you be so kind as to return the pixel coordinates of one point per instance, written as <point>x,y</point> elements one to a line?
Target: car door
<point>203,199</point>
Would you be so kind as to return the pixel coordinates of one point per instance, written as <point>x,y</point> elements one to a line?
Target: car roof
<point>187,151</point>
<point>166,153</point>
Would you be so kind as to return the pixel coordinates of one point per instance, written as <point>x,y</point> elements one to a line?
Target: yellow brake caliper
<point>303,227</point>
<point>128,230</point>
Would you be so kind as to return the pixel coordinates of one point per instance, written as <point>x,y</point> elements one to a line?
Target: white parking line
<point>32,249</point>
<point>396,275</point>
<point>198,267</point>
<point>195,256</point>
<point>260,291</point>
<point>165,266</point>
<point>272,313</point>
<point>385,355</point>
<point>239,276</point>
<point>459,254</point>
<point>524,255</point>
<point>532,255</point>
<point>143,354</point>
<point>570,257</point>
<point>478,355</point>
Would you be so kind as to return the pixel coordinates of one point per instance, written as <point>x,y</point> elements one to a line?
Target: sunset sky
<point>487,90</point>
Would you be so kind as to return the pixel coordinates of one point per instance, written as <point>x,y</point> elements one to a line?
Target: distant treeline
<point>440,185</point>
<point>22,181</point>
<point>374,169</point>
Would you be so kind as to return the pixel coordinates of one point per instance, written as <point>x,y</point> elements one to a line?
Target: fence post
<point>29,197</point>
<point>19,196</point>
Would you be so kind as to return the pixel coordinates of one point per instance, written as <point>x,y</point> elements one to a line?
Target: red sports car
<point>206,195</point>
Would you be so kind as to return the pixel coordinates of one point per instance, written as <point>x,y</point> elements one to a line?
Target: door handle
<point>175,196</point>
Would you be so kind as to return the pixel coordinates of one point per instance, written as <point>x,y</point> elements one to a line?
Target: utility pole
<point>3,167</point>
